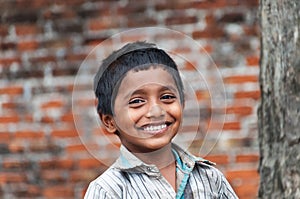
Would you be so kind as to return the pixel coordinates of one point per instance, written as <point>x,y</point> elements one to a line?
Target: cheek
<point>176,111</point>
<point>135,114</point>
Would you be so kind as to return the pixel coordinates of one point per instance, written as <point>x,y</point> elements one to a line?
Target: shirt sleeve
<point>226,190</point>
<point>95,191</point>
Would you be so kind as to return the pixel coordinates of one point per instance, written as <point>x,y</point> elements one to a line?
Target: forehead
<point>135,79</point>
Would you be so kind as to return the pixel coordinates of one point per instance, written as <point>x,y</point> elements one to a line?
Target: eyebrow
<point>163,88</point>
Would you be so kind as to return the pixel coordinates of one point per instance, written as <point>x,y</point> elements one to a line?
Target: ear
<point>108,122</point>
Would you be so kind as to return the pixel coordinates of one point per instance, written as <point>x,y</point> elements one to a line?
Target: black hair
<point>137,56</point>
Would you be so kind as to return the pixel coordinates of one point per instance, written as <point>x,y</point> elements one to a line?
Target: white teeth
<point>155,128</point>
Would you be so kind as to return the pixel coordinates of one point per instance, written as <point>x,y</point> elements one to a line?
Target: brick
<point>169,5</point>
<point>7,46</point>
<point>76,57</point>
<point>70,3</point>
<point>26,29</point>
<point>75,148</point>
<point>244,175</point>
<point>67,117</point>
<point>251,30</point>
<point>242,142</point>
<point>189,66</point>
<point>177,19</point>
<point>102,24</point>
<point>47,119</point>
<point>43,145</point>
<point>209,32</point>
<point>252,61</point>
<point>206,49</point>
<point>59,14</point>
<point>232,17</point>
<point>86,102</point>
<point>47,164</point>
<point>33,3</point>
<point>7,61</point>
<point>93,41</point>
<point>210,19</point>
<point>9,119</point>
<point>53,176</point>
<point>4,147</point>
<point>59,191</point>
<point>232,126</point>
<point>247,94</point>
<point>28,45</point>
<point>94,12</point>
<point>28,191</point>
<point>140,21</point>
<point>70,70</point>
<point>28,118</point>
<point>202,95</point>
<point>138,7</point>
<point>26,16</point>
<point>89,163</point>
<point>239,110</point>
<point>247,158</point>
<point>11,90</point>
<point>248,3</point>
<point>218,159</point>
<point>210,4</point>
<point>3,30</point>
<point>10,105</point>
<point>85,175</point>
<point>64,164</point>
<point>248,191</point>
<point>43,59</point>
<point>238,79</point>
<point>57,164</point>
<point>5,137</point>
<point>29,134</point>
<point>58,43</point>
<point>53,104</point>
<point>12,177</point>
<point>70,26</point>
<point>64,133</point>
<point>15,164</point>
<point>16,146</point>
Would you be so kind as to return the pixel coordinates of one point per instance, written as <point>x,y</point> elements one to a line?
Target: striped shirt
<point>130,178</point>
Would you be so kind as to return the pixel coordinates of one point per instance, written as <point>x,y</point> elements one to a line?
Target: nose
<point>155,111</point>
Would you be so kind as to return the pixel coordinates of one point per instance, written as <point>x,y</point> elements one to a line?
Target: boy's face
<point>147,110</point>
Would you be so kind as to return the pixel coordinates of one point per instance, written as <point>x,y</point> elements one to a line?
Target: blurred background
<point>45,149</point>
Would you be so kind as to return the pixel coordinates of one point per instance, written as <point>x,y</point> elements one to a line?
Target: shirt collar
<point>128,162</point>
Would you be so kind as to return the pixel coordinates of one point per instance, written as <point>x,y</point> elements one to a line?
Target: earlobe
<point>108,122</point>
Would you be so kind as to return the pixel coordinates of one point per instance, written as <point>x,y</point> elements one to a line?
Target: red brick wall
<point>43,44</point>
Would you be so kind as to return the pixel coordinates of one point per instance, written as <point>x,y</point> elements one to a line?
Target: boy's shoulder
<point>108,184</point>
<point>110,174</point>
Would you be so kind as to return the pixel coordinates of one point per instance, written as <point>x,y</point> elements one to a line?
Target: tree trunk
<point>279,111</point>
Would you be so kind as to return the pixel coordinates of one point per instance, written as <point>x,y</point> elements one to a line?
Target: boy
<point>140,99</point>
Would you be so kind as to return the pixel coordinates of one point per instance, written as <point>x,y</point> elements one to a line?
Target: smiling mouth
<point>155,128</point>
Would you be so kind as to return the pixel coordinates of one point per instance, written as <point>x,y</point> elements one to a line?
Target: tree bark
<point>279,110</point>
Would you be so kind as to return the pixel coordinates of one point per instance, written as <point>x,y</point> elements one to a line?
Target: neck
<point>161,158</point>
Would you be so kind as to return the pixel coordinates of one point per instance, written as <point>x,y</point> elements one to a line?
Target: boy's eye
<point>168,98</point>
<point>136,102</point>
